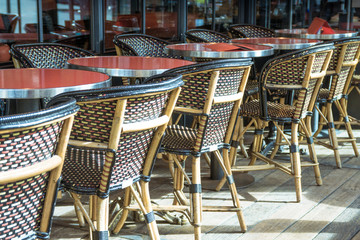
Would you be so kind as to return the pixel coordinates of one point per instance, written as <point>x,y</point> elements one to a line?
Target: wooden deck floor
<point>330,211</point>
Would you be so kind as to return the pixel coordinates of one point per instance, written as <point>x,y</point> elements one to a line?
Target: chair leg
<point>332,134</point>
<point>277,141</point>
<point>311,146</point>
<point>125,211</point>
<point>295,157</point>
<point>341,105</point>
<point>195,197</point>
<point>79,215</point>
<point>233,191</point>
<point>99,214</point>
<point>258,138</point>
<point>147,210</point>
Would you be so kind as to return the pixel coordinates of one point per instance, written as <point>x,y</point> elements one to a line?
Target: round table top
<point>33,83</point>
<point>219,50</point>
<point>127,66</point>
<point>280,43</point>
<point>302,33</point>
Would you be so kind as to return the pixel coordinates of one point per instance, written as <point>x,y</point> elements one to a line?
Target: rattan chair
<point>113,145</point>
<point>44,55</point>
<point>204,35</point>
<point>140,45</point>
<point>32,149</point>
<point>301,74</point>
<point>212,93</point>
<point>341,68</point>
<point>249,31</point>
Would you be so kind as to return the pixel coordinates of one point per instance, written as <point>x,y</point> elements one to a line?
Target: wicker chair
<point>301,73</point>
<point>341,68</point>
<point>204,35</point>
<point>249,31</point>
<point>44,55</point>
<point>113,145</point>
<point>212,93</point>
<point>140,45</point>
<point>32,149</point>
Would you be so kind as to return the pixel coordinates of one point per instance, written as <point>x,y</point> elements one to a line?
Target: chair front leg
<point>195,197</point>
<point>295,158</point>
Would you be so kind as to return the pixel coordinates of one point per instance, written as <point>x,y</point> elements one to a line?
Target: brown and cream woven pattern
<point>141,45</point>
<point>211,128</point>
<point>21,206</point>
<point>83,167</point>
<point>46,55</point>
<point>250,31</point>
<point>287,70</point>
<point>339,81</point>
<point>24,148</point>
<point>203,35</point>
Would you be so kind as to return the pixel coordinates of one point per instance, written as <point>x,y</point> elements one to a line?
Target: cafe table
<point>302,33</point>
<point>279,43</point>
<point>219,50</point>
<point>126,66</point>
<point>28,85</point>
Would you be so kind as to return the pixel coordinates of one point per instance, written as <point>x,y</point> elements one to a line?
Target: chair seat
<point>252,87</point>
<point>80,177</point>
<point>179,137</point>
<point>275,110</point>
<point>324,94</point>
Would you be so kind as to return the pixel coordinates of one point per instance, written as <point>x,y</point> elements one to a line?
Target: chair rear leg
<point>332,135</point>
<point>311,146</point>
<point>125,211</point>
<point>295,157</point>
<point>342,107</point>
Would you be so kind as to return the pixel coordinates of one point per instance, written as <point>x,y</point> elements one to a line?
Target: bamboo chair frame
<point>260,120</point>
<point>342,66</point>
<point>193,209</point>
<point>122,97</point>
<point>23,125</point>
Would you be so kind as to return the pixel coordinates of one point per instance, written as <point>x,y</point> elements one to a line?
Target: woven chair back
<point>116,134</point>
<point>214,91</point>
<point>342,66</point>
<point>204,35</point>
<point>32,149</point>
<point>45,55</point>
<point>300,71</point>
<point>250,31</point>
<point>140,45</point>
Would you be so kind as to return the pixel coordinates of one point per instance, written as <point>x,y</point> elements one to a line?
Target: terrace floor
<point>330,211</point>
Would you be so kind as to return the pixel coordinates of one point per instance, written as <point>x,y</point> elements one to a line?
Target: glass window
<point>66,21</point>
<point>200,14</point>
<point>161,19</point>
<point>121,16</point>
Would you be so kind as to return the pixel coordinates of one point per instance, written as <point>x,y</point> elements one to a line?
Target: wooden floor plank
<point>291,212</point>
<point>345,226</point>
<point>308,226</point>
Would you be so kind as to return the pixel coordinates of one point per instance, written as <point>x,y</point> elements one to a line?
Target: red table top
<point>34,78</point>
<point>129,62</point>
<point>217,47</point>
<point>275,40</point>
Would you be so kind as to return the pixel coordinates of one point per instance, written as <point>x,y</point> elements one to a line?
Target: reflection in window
<point>200,14</point>
<point>161,19</point>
